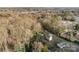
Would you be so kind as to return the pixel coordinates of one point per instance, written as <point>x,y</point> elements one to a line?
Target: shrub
<point>45,48</point>
<point>68,15</point>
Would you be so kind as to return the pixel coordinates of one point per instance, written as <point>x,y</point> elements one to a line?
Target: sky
<point>39,3</point>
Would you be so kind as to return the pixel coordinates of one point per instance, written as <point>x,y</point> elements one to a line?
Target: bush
<point>45,48</point>
<point>78,26</point>
<point>68,15</point>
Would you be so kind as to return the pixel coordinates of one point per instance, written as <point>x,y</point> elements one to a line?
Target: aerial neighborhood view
<point>39,29</point>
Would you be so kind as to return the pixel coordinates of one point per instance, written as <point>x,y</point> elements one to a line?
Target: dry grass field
<point>32,29</point>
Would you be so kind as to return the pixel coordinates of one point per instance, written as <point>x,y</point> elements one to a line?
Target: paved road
<point>68,45</point>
